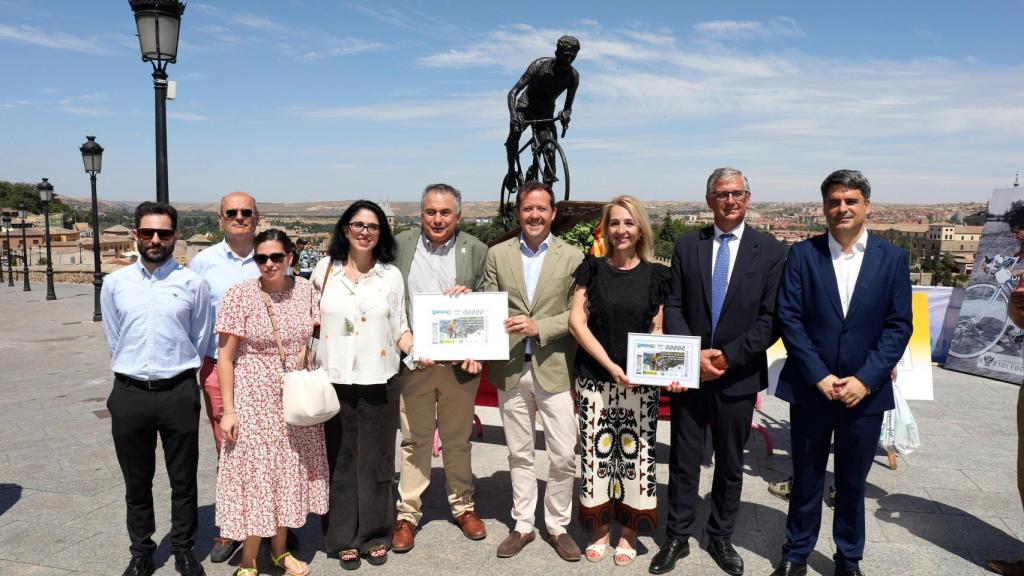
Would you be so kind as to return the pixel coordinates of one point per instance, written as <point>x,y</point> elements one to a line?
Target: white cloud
<point>186,116</point>
<point>83,106</point>
<point>50,39</point>
<point>258,22</point>
<point>408,18</point>
<point>344,47</point>
<point>734,30</point>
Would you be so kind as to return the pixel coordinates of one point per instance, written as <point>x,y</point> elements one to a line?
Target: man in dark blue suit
<point>844,314</point>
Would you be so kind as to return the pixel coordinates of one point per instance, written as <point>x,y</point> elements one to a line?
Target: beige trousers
<point>429,398</point>
<point>519,408</point>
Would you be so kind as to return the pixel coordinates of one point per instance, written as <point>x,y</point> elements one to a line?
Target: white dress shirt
<point>360,323</point>
<point>533,262</point>
<point>433,269</point>
<point>847,266</point>
<point>221,268</point>
<point>734,246</point>
<point>156,325</point>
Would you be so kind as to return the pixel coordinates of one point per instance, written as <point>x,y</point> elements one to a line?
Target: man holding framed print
<point>535,268</point>
<point>724,282</point>
<point>438,258</point>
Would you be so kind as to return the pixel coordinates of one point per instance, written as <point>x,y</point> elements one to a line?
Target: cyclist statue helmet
<point>533,96</point>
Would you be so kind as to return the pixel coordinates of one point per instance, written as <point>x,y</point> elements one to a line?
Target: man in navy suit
<point>724,280</point>
<point>844,314</point>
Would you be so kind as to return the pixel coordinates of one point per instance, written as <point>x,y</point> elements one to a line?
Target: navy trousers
<point>856,439</point>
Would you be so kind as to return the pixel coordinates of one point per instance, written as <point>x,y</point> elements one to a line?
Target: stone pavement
<point>949,506</point>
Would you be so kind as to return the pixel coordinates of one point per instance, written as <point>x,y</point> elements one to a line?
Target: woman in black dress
<point>614,296</point>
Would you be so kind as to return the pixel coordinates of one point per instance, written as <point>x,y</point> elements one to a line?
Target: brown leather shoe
<point>515,542</point>
<point>1007,568</point>
<point>471,525</point>
<point>405,536</point>
<point>566,547</point>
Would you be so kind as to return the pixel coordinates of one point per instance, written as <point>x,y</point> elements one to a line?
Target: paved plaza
<point>948,506</point>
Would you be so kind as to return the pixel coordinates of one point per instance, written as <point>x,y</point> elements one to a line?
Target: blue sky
<point>314,100</point>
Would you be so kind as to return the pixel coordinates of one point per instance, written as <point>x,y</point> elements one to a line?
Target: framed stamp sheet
<point>460,327</point>
<point>661,359</point>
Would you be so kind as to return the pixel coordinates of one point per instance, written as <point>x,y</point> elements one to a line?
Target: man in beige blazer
<point>435,258</point>
<point>536,270</point>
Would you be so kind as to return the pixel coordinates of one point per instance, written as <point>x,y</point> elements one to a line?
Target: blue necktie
<point>719,281</point>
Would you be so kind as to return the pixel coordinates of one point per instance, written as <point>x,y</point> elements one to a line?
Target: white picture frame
<point>465,326</point>
<point>680,354</point>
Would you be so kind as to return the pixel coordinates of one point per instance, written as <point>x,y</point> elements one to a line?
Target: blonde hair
<point>645,240</point>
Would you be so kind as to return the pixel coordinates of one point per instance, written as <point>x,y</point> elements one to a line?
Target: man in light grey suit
<point>536,270</point>
<point>438,258</point>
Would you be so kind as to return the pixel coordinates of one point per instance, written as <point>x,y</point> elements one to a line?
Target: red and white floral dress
<point>274,474</point>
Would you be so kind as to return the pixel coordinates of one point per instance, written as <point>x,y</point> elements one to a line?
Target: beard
<point>155,253</point>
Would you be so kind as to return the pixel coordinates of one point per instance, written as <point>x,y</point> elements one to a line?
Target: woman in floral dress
<point>614,296</point>
<point>271,474</point>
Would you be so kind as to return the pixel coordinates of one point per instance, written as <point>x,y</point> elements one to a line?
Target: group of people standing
<point>235,321</point>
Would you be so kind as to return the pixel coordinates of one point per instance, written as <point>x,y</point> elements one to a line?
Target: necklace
<point>354,274</point>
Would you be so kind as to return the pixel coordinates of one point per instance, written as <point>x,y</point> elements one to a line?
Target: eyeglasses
<point>147,233</point>
<point>233,213</point>
<point>721,195</point>
<point>360,226</point>
<point>276,258</point>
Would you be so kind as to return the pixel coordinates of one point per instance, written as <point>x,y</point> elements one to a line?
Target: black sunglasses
<point>233,212</point>
<point>276,258</point>
<point>147,233</point>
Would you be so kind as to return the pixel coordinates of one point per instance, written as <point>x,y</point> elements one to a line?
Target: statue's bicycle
<point>546,154</point>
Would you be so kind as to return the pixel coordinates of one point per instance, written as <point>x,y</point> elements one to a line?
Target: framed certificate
<point>661,359</point>
<point>460,327</point>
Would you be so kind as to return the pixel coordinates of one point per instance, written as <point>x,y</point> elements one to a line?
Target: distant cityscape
<point>941,239</point>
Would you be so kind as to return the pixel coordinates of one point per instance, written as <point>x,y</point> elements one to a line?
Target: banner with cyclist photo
<point>985,342</point>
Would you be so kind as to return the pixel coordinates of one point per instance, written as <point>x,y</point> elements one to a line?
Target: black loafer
<point>223,549</point>
<point>141,565</point>
<point>727,558</point>
<point>186,564</point>
<point>671,552</point>
<point>839,571</point>
<point>790,568</point>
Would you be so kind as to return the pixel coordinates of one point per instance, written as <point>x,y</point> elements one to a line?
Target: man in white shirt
<point>223,265</point>
<point>844,314</point>
<point>438,258</point>
<point>536,270</point>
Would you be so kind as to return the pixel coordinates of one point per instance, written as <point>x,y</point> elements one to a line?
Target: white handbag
<point>307,395</point>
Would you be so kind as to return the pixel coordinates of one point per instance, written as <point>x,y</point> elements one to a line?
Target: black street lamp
<point>45,190</point>
<point>23,213</point>
<point>158,23</point>
<point>4,250</point>
<point>10,269</point>
<point>92,157</point>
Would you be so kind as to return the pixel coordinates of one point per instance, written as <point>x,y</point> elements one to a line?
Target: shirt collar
<point>161,271</point>
<point>231,253</point>
<point>860,245</point>
<point>525,249</point>
<point>737,232</point>
<point>443,248</point>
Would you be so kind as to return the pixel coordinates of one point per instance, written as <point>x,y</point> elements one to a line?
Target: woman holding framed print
<point>614,296</point>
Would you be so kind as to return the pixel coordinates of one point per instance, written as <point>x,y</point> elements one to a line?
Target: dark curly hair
<point>384,251</point>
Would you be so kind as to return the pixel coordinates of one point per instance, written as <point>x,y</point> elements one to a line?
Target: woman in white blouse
<point>363,327</point>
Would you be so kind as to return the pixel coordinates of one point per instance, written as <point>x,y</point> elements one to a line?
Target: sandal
<point>378,559</point>
<point>596,552</point>
<point>280,560</point>
<point>624,556</point>
<point>352,562</point>
<point>241,571</point>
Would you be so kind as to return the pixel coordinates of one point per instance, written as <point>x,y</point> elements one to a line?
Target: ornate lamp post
<point>92,157</point>
<point>45,190</point>
<point>22,214</point>
<point>158,23</point>
<point>10,269</point>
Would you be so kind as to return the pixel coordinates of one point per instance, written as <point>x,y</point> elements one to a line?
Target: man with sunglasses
<point>156,320</point>
<point>724,281</point>
<point>438,258</point>
<point>223,265</point>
